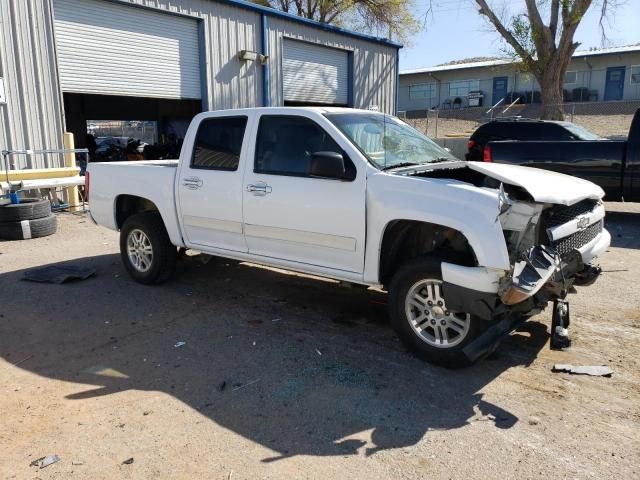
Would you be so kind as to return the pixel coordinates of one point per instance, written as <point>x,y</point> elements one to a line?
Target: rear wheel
<point>146,250</point>
<point>419,314</point>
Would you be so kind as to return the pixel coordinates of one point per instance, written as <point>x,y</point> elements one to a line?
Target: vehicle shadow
<point>624,228</point>
<point>300,365</point>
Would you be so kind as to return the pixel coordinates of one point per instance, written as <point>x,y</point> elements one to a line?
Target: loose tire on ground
<point>407,279</point>
<point>27,209</point>
<point>146,250</point>
<point>26,229</point>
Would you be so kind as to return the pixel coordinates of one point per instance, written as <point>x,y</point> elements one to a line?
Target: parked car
<point>614,165</point>
<point>523,129</point>
<point>466,250</point>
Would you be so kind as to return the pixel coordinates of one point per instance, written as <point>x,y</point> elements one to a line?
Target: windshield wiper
<point>400,165</point>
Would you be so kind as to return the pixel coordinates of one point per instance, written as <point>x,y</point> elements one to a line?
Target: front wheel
<point>420,317</point>
<point>146,250</point>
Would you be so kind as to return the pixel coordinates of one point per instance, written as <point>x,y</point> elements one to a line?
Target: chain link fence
<point>605,119</point>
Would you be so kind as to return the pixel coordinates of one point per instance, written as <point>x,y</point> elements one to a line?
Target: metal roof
<point>498,62</point>
<point>312,23</point>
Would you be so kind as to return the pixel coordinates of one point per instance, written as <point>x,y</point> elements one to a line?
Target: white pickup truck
<point>465,249</point>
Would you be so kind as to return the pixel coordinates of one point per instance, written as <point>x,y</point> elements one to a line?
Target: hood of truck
<point>544,186</point>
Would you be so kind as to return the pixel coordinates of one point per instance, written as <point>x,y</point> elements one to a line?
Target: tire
<point>26,229</point>
<point>151,235</point>
<point>27,209</point>
<point>459,328</point>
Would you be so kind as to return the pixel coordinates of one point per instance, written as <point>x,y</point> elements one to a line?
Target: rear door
<point>292,216</point>
<point>209,186</point>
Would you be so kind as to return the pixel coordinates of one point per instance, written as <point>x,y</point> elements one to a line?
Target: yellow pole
<point>70,161</point>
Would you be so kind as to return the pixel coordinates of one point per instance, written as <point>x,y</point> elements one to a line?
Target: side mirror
<point>327,165</point>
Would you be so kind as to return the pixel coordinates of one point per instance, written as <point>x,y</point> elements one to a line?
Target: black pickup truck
<point>614,165</point>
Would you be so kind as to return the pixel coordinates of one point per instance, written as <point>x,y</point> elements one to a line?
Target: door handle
<point>259,189</point>
<point>192,183</point>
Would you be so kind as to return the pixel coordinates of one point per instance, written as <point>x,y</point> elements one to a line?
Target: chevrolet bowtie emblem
<point>583,222</point>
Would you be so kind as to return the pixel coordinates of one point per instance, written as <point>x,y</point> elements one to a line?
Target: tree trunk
<point>551,95</point>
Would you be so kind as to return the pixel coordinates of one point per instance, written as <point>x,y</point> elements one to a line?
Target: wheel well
<point>407,239</point>
<point>127,205</point>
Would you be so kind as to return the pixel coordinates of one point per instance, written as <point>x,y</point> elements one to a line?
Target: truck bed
<point>111,180</point>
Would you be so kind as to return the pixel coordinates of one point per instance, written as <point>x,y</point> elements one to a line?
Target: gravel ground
<point>287,376</point>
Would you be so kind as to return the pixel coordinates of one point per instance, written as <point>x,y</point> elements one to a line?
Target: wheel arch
<point>404,239</point>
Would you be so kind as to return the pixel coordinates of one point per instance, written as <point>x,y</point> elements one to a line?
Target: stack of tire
<point>31,218</point>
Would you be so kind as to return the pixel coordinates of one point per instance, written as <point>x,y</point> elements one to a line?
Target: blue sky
<point>456,31</point>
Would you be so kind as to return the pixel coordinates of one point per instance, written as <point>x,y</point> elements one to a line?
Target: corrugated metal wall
<point>32,116</point>
<point>234,84</point>
<point>374,65</point>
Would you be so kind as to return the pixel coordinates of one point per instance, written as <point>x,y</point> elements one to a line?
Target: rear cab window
<point>218,143</point>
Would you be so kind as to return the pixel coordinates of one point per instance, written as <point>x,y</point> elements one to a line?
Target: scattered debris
<point>254,343</point>
<point>318,352</point>
<point>74,462</point>
<point>245,385</point>
<point>276,319</point>
<point>534,420</point>
<point>147,412</point>
<point>593,370</point>
<point>58,274</point>
<point>179,344</point>
<point>254,322</point>
<point>222,386</point>
<point>45,461</point>
<point>128,461</point>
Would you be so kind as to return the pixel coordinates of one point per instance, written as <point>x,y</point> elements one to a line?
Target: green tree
<point>390,18</point>
<point>545,50</point>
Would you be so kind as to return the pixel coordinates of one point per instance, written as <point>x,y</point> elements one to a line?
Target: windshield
<point>388,142</point>
<point>580,132</point>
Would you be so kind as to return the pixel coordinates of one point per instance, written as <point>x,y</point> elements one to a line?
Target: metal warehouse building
<point>67,62</point>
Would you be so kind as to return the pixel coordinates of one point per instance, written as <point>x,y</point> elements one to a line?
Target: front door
<point>292,216</point>
<point>614,86</point>
<point>209,185</point>
<point>499,88</point>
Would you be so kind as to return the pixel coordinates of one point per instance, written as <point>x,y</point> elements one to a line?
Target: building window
<point>422,90</point>
<point>570,78</point>
<point>461,88</point>
<point>635,74</point>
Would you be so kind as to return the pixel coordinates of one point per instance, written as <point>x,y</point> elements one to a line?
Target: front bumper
<point>533,282</point>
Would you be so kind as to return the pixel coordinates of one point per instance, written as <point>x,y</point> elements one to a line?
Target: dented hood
<point>544,186</point>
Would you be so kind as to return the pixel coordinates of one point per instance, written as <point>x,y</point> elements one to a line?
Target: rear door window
<point>218,143</point>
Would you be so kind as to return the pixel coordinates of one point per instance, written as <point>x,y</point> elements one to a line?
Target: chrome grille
<point>560,214</point>
<point>578,239</point>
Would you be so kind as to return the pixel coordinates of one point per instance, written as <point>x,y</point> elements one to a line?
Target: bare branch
<point>506,34</point>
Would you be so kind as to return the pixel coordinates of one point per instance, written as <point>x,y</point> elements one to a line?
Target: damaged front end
<point>551,248</point>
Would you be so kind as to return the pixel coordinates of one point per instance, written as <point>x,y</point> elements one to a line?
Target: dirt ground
<point>286,376</point>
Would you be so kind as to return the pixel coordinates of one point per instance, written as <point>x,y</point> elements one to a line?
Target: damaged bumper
<point>535,280</point>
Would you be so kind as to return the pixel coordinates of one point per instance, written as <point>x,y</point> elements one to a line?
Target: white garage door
<point>110,49</point>
<point>315,74</point>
